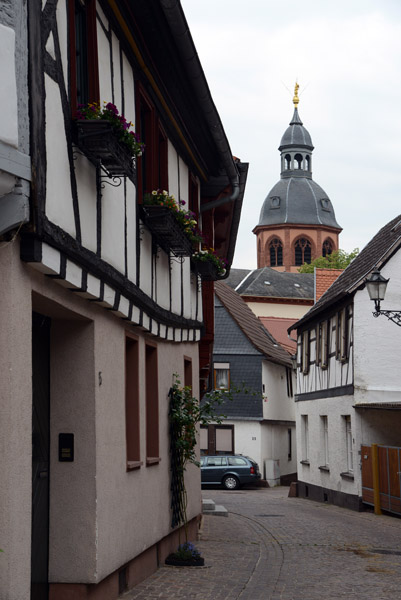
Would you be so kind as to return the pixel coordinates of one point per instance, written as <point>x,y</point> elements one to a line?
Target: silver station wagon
<point>229,470</point>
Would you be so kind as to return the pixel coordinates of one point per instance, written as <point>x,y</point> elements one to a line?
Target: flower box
<point>166,230</point>
<point>206,269</point>
<point>99,142</point>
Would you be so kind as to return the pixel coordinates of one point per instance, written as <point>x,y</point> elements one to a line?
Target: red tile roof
<point>278,326</point>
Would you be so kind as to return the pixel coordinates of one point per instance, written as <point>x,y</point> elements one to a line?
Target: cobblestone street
<point>273,547</point>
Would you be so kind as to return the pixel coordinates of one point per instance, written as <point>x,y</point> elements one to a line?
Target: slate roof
<point>250,325</point>
<point>300,203</point>
<point>280,284</point>
<point>374,255</point>
<point>236,276</point>
<point>296,134</point>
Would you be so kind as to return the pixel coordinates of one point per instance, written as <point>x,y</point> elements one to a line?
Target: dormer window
<point>326,205</point>
<point>275,202</point>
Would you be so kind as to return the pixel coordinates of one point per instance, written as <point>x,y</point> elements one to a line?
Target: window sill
<point>324,468</point>
<point>152,460</point>
<point>347,475</point>
<point>305,462</point>
<point>133,465</point>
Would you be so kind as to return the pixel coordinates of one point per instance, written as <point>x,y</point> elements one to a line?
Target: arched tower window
<point>307,162</point>
<point>303,252</point>
<point>327,247</point>
<point>287,159</point>
<point>276,253</point>
<point>298,161</point>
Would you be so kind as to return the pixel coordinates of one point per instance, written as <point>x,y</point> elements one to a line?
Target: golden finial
<point>295,98</point>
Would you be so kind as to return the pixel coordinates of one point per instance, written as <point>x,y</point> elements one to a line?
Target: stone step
<point>210,508</point>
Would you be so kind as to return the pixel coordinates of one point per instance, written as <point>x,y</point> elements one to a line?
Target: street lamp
<point>376,285</point>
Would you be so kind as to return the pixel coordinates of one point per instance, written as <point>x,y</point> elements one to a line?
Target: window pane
<point>222,379</point>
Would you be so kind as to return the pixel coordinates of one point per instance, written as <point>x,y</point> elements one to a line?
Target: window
<point>152,165</point>
<point>327,248</point>
<point>204,439</point>
<point>217,461</point>
<point>84,70</point>
<point>275,202</point>
<point>324,440</point>
<point>342,335</point>
<point>348,444</point>
<point>303,252</point>
<point>322,353</point>
<point>276,253</point>
<point>289,434</point>
<point>188,372</point>
<point>305,352</point>
<point>287,159</point>
<point>237,461</point>
<point>221,376</point>
<point>193,204</point>
<point>305,438</point>
<point>298,161</point>
<point>132,403</point>
<point>152,406</point>
<point>290,392</point>
<point>224,439</point>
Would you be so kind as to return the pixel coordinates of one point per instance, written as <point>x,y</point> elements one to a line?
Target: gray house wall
<point>232,346</point>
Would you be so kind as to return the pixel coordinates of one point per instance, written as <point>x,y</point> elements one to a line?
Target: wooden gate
<point>389,458</point>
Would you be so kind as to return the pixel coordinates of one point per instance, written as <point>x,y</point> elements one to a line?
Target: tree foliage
<point>339,259</point>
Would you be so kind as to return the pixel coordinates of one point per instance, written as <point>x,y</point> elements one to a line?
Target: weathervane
<point>295,98</point>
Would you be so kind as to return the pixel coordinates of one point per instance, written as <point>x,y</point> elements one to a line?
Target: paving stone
<point>274,547</point>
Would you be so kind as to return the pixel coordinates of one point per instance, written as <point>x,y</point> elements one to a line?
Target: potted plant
<point>208,264</point>
<point>175,229</point>
<point>107,138</point>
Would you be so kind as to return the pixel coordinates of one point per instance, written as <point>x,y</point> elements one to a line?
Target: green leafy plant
<point>339,259</point>
<point>185,218</point>
<point>209,255</point>
<point>122,127</point>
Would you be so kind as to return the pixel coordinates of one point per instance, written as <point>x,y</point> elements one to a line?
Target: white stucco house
<point>99,303</point>
<point>348,384</point>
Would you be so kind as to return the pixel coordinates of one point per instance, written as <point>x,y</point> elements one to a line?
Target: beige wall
<point>270,309</point>
<point>101,516</point>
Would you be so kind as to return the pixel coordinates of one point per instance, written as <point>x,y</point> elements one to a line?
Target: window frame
<point>342,335</point>
<point>132,403</point>
<point>348,443</point>
<point>92,61</point>
<point>152,405</point>
<point>221,367</point>
<point>305,351</point>
<point>322,342</point>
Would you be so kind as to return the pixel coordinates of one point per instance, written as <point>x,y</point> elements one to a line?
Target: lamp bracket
<point>392,315</point>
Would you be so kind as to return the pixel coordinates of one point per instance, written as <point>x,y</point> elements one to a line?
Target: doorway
<point>40,456</point>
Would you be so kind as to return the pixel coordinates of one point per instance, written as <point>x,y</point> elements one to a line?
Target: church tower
<point>297,222</point>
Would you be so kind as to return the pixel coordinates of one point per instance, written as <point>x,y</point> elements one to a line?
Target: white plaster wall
<point>277,405</point>
<point>15,426</point>
<point>173,183</point>
<point>116,72</point>
<point>275,446</point>
<point>186,273</point>
<point>184,182</point>
<point>86,188</point>
<point>129,90</point>
<point>103,48</point>
<point>59,207</point>
<point>61,16</point>
<point>176,287</point>
<point>162,280</point>
<point>113,223</point>
<point>270,309</point>
<point>145,269</point>
<point>247,439</point>
<point>335,409</point>
<point>378,342</point>
<point>8,88</point>
<point>131,231</point>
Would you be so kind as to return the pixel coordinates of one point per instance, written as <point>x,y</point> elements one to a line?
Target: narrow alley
<point>273,547</point>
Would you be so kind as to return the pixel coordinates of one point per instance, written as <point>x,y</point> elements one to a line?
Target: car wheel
<point>231,482</point>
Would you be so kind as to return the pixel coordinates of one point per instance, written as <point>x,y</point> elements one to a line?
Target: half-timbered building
<point>348,386</point>
<point>100,300</point>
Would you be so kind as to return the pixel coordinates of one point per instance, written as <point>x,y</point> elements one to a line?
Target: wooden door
<point>389,477</point>
<point>40,456</point>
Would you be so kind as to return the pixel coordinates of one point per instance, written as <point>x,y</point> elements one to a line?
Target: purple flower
<point>112,108</point>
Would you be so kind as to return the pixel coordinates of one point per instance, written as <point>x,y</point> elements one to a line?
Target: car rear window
<point>236,461</point>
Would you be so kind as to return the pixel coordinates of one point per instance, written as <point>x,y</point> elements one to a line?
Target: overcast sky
<point>346,56</point>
